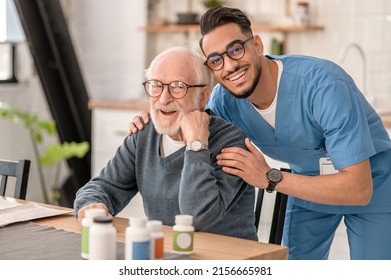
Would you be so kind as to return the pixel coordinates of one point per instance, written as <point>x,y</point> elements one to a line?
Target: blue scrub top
<point>320,113</point>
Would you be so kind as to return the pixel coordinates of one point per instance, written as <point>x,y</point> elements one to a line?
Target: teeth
<point>237,76</point>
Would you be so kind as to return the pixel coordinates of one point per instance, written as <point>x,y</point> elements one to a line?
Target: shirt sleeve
<point>339,112</point>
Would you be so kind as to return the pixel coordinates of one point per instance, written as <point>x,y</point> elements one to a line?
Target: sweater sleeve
<point>116,184</point>
<point>207,192</point>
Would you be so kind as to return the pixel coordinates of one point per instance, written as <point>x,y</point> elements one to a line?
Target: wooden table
<point>207,246</point>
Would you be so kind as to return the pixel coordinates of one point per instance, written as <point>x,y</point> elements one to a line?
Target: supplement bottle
<point>183,234</point>
<point>302,13</point>
<point>157,239</point>
<point>86,223</point>
<point>137,239</point>
<point>102,245</point>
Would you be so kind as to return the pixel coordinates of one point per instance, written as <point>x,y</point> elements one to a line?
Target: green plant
<point>212,3</point>
<point>53,154</point>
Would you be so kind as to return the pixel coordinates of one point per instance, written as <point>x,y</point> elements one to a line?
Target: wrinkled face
<point>166,111</point>
<point>240,76</point>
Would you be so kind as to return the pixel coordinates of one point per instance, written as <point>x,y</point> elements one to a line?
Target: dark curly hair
<point>219,16</point>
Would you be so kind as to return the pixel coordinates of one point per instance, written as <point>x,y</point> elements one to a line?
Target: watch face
<point>196,145</point>
<point>274,175</point>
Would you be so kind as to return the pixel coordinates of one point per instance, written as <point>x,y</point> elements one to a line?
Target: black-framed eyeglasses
<point>176,89</point>
<point>235,51</point>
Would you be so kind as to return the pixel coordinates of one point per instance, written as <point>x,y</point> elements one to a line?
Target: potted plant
<point>53,154</point>
<point>212,3</point>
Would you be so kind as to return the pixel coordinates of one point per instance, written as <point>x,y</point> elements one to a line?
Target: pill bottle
<point>102,245</point>
<point>157,239</point>
<point>137,239</point>
<point>302,13</point>
<point>183,235</point>
<point>86,223</point>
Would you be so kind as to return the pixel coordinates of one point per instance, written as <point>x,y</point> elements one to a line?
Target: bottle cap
<point>95,212</point>
<point>154,225</point>
<point>103,219</point>
<point>185,220</point>
<point>137,221</point>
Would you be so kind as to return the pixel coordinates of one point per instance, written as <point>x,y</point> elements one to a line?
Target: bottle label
<point>159,248</point>
<point>183,241</point>
<point>139,250</point>
<point>84,240</point>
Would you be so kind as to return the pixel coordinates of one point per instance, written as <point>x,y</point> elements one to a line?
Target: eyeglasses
<point>176,89</point>
<point>234,51</point>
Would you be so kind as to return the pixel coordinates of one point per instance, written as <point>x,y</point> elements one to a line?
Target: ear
<point>258,44</point>
<point>205,93</point>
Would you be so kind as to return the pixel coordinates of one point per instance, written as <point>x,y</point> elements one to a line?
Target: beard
<point>248,92</point>
<point>164,126</point>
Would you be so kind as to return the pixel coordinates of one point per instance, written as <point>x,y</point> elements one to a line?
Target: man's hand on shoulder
<point>137,124</point>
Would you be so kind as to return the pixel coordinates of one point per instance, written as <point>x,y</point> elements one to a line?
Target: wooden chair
<point>18,169</point>
<point>277,225</point>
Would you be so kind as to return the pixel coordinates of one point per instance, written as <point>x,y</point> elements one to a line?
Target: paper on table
<point>13,212</point>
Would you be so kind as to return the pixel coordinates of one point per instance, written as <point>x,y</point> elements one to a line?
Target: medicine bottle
<point>183,234</point>
<point>102,245</point>
<point>157,239</point>
<point>86,223</point>
<point>302,13</point>
<point>137,239</point>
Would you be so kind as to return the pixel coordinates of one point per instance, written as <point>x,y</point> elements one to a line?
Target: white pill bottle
<point>86,223</point>
<point>103,245</point>
<point>137,239</point>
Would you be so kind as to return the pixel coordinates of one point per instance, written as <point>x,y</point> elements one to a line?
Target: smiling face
<point>166,111</point>
<point>242,76</point>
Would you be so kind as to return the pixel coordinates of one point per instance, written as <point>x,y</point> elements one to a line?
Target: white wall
<point>110,46</point>
<point>365,22</point>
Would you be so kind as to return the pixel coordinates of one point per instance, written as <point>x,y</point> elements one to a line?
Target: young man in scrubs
<point>308,113</point>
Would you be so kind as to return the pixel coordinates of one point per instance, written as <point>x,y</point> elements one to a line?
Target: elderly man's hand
<point>195,126</point>
<point>82,212</point>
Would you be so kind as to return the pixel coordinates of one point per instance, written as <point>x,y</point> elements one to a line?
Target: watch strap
<point>271,187</point>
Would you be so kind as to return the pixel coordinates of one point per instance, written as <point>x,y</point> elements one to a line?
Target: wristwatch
<point>274,176</point>
<point>196,146</point>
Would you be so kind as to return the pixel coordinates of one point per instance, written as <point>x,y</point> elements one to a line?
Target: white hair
<point>202,73</point>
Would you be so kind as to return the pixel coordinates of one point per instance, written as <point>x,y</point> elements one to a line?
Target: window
<point>11,33</point>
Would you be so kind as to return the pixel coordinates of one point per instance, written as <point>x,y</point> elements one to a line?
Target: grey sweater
<point>185,182</point>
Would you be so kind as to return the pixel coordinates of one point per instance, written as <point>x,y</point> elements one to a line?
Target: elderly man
<point>172,162</point>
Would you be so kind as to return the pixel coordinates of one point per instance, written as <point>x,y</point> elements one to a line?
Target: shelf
<point>255,27</point>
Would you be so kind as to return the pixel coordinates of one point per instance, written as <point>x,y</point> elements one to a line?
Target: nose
<point>230,64</point>
<point>165,97</point>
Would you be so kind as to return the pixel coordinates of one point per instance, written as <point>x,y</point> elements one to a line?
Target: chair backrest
<point>277,224</point>
<point>18,169</point>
